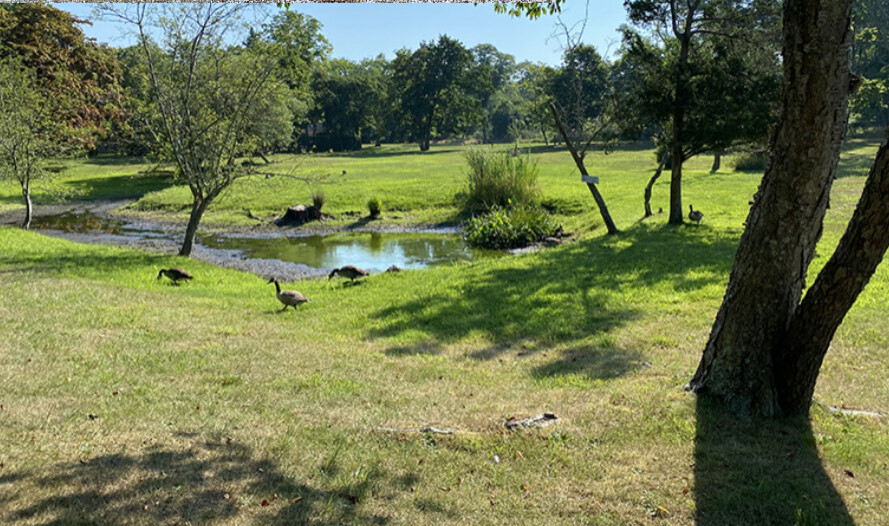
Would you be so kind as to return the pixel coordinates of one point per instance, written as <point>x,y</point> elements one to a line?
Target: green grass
<point>209,402</point>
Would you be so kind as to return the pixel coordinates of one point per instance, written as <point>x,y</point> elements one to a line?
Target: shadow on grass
<point>114,160</point>
<point>120,186</point>
<point>575,291</point>
<point>187,485</point>
<point>752,472</point>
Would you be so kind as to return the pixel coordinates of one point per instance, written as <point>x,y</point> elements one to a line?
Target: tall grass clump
<point>510,227</point>
<point>318,199</point>
<point>499,179</point>
<point>374,205</point>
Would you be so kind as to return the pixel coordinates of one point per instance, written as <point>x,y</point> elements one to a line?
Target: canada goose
<point>174,274</point>
<point>290,298</point>
<point>349,271</point>
<point>695,215</point>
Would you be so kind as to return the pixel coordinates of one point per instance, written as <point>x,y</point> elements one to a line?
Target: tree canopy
<point>80,78</point>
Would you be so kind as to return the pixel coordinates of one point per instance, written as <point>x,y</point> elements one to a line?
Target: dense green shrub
<point>750,162</point>
<point>498,179</point>
<point>374,205</point>
<point>512,227</point>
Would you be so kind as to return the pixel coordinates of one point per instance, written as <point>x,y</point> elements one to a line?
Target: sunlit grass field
<point>125,400</point>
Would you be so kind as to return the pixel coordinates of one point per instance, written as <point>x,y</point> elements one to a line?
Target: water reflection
<point>371,250</point>
<point>374,251</point>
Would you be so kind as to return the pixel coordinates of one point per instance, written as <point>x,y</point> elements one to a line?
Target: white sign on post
<point>589,179</point>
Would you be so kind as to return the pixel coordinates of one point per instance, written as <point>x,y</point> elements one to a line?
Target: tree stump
<point>299,215</point>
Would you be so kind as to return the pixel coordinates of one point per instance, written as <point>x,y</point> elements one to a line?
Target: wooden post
<point>578,160</point>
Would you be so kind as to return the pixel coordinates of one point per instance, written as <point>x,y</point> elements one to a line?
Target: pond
<point>314,253</point>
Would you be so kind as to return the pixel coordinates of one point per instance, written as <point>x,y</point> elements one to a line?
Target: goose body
<point>349,271</point>
<point>695,215</point>
<point>175,274</point>
<point>290,298</point>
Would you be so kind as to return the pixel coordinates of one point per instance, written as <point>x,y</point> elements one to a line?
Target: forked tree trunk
<point>29,208</point>
<point>197,212</point>
<point>740,364</point>
<point>835,290</point>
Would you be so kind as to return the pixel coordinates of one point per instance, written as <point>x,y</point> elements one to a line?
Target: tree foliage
<point>29,133</point>
<point>870,60</point>
<point>79,78</point>
<point>206,101</point>
<point>434,89</point>
<point>705,75</point>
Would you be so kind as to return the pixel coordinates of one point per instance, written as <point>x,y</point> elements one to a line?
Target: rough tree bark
<point>835,290</point>
<point>739,364</point>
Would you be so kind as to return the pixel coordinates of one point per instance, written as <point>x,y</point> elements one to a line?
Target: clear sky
<point>364,30</point>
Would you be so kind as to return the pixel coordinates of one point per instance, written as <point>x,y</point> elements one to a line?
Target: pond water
<point>374,251</point>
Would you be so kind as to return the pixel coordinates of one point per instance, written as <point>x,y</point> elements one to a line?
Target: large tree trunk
<point>717,162</point>
<point>835,290</point>
<point>739,364</point>
<point>29,208</point>
<point>676,212</point>
<point>197,212</point>
<point>650,186</point>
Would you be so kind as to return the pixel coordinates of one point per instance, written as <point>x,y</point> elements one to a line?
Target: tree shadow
<point>120,186</point>
<point>557,295</point>
<point>753,471</point>
<point>211,480</point>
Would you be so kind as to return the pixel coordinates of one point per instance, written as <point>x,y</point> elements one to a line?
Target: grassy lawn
<point>208,406</point>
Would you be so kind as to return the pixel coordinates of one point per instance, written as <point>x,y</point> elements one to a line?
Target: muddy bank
<point>268,251</point>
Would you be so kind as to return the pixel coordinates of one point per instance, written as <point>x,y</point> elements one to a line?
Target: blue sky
<point>364,30</point>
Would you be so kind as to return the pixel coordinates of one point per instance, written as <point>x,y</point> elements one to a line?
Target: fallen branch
<point>423,429</point>
<point>851,412</point>
<point>541,420</point>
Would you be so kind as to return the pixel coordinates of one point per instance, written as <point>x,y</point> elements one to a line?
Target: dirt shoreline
<point>111,209</point>
<point>266,268</point>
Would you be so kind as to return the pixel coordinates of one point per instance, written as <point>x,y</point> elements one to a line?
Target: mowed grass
<point>206,402</point>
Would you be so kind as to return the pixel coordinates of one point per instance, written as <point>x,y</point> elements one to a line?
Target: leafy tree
<point>580,89</point>
<point>204,98</point>
<point>700,54</point>
<point>296,40</point>
<point>870,60</point>
<point>347,99</point>
<point>530,9</point>
<point>534,81</point>
<point>28,132</point>
<point>768,340</point>
<point>489,72</point>
<point>434,89</point>
<point>731,98</point>
<point>79,78</point>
